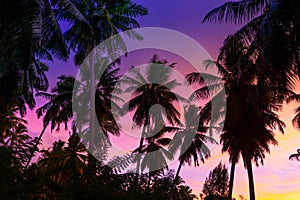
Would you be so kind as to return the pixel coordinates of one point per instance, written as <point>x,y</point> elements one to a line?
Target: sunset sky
<point>279,178</point>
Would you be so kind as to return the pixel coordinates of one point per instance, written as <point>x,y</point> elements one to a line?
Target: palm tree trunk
<point>149,181</point>
<point>232,170</point>
<point>35,146</point>
<point>250,177</point>
<point>140,146</point>
<point>178,171</point>
<point>92,108</point>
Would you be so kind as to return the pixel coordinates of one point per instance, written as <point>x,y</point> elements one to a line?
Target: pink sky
<point>279,177</point>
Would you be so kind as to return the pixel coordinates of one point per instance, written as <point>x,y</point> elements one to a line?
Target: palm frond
<point>236,12</point>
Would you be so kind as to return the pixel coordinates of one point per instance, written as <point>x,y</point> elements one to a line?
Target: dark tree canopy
<point>216,184</point>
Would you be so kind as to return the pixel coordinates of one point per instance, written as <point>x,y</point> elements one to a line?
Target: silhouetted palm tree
<point>271,35</point>
<point>62,166</point>
<point>31,33</point>
<point>154,154</point>
<point>155,88</point>
<point>9,121</point>
<point>250,115</point>
<point>51,161</point>
<point>74,160</point>
<point>17,135</point>
<point>106,18</point>
<point>59,108</point>
<point>190,141</point>
<point>14,134</point>
<point>95,134</point>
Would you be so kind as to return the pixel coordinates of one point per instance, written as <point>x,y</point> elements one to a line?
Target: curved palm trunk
<point>35,146</point>
<point>250,177</point>
<point>178,170</point>
<point>232,170</point>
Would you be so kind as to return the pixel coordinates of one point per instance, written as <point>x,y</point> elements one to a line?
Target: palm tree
<point>190,141</point>
<point>31,35</point>
<point>8,122</point>
<point>63,165</point>
<point>59,108</point>
<point>104,96</point>
<point>154,152</point>
<point>51,160</point>
<point>106,19</point>
<point>250,135</point>
<point>271,34</point>
<point>151,90</point>
<point>296,119</point>
<point>17,136</point>
<point>14,135</point>
<point>250,115</point>
<point>73,160</point>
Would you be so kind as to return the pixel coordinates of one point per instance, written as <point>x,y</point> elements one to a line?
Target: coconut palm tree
<point>31,34</point>
<point>250,116</point>
<point>190,141</point>
<point>106,18</point>
<point>105,95</point>
<point>252,142</point>
<point>154,89</point>
<point>51,160</point>
<point>17,135</point>
<point>62,165</point>
<point>271,33</point>
<point>59,108</point>
<point>14,134</point>
<point>73,161</point>
<point>154,156</point>
<point>8,121</point>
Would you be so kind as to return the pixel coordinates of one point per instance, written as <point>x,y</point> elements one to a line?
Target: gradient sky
<point>279,177</point>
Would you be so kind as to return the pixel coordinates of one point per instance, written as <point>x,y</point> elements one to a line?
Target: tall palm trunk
<point>232,170</point>
<point>250,177</point>
<point>178,171</point>
<point>141,144</point>
<point>92,96</point>
<point>35,146</point>
<point>149,181</point>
